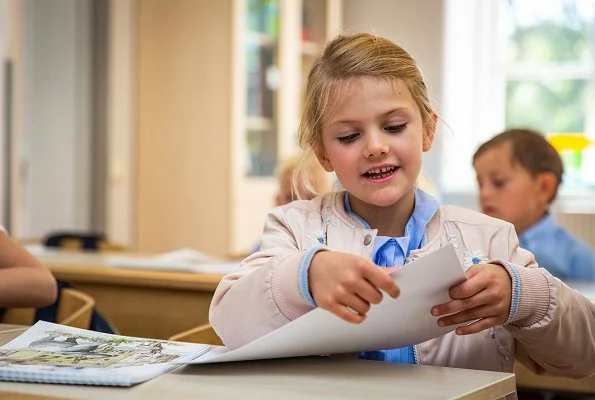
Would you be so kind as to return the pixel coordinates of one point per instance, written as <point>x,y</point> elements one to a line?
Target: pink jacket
<point>553,329</point>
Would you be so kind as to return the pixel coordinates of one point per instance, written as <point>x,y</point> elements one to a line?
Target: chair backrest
<point>18,316</point>
<point>204,334</point>
<point>75,309</point>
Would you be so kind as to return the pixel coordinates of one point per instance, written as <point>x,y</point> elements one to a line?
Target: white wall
<point>4,40</point>
<point>56,128</point>
<point>120,123</point>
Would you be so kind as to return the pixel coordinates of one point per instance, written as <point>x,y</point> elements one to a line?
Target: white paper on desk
<point>393,323</point>
<point>187,260</point>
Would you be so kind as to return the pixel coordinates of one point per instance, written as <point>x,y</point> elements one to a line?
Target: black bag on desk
<point>49,313</point>
<point>78,240</point>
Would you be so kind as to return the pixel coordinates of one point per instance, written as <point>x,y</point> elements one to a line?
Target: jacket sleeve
<point>554,326</point>
<point>264,294</point>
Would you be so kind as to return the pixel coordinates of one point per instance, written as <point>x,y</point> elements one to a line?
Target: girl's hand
<point>481,302</point>
<point>347,285</point>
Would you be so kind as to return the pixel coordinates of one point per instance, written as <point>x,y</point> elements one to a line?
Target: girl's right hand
<point>347,284</point>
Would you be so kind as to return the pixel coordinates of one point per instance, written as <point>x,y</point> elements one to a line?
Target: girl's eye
<point>349,138</point>
<point>396,128</point>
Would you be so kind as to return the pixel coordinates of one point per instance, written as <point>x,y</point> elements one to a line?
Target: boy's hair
<point>348,57</point>
<point>531,150</point>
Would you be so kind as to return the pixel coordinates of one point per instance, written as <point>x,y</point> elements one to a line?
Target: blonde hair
<point>313,181</point>
<point>348,57</point>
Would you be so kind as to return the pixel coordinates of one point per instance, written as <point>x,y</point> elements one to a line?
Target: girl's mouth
<point>380,173</point>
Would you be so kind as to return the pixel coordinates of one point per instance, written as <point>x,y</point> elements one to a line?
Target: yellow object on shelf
<point>568,141</point>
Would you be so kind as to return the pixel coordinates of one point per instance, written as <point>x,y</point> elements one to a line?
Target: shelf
<point>259,123</point>
<point>311,49</point>
<point>261,39</point>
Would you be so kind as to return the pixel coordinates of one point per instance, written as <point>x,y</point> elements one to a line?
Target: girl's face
<point>373,139</point>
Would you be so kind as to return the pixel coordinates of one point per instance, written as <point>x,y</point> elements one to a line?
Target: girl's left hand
<point>481,302</point>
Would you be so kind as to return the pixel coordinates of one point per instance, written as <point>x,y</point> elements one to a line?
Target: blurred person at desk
<point>519,173</point>
<point>312,180</point>
<point>24,282</point>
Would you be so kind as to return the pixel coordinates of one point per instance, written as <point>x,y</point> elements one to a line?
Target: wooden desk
<point>527,379</point>
<point>154,304</point>
<point>14,330</point>
<point>303,378</point>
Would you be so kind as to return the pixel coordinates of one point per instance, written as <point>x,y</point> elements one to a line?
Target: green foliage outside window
<point>551,72</point>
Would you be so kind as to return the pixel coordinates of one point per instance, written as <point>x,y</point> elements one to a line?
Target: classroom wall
<point>56,131</point>
<point>183,125</point>
<point>4,42</point>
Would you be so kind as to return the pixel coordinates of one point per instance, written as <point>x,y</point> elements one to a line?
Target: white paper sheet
<point>393,323</point>
<point>186,260</point>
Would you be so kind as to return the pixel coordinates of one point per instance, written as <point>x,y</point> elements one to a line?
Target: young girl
<point>367,117</point>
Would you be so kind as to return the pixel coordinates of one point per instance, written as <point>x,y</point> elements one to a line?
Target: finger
<point>346,314</point>
<point>458,305</point>
<point>356,304</point>
<point>469,288</point>
<point>388,270</point>
<point>477,326</point>
<point>367,292</point>
<point>468,316</point>
<point>473,270</point>
<point>383,281</point>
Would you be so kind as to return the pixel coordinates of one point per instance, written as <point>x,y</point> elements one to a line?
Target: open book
<point>58,354</point>
<point>53,353</point>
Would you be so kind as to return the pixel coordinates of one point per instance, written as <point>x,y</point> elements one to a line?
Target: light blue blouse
<point>556,250</point>
<point>390,251</point>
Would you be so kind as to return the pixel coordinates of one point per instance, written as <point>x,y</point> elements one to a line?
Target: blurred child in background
<point>519,173</point>
<point>312,180</point>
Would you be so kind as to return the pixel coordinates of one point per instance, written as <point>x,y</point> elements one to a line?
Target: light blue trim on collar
<point>348,210</point>
<point>423,211</point>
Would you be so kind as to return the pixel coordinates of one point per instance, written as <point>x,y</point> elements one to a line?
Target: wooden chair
<point>204,334</point>
<point>75,309</point>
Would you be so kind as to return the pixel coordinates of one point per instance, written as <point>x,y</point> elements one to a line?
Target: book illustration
<point>62,348</point>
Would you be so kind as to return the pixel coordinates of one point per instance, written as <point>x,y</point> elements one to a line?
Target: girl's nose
<point>376,145</point>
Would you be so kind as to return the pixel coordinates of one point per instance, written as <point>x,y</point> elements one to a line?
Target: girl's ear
<point>324,161</point>
<point>429,131</point>
<point>547,184</point>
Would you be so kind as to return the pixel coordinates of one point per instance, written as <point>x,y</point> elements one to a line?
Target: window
<point>549,78</point>
<point>520,63</point>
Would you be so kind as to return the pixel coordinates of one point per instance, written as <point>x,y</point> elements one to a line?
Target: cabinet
<point>218,89</point>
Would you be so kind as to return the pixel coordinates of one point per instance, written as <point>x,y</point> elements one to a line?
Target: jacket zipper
<point>424,241</point>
